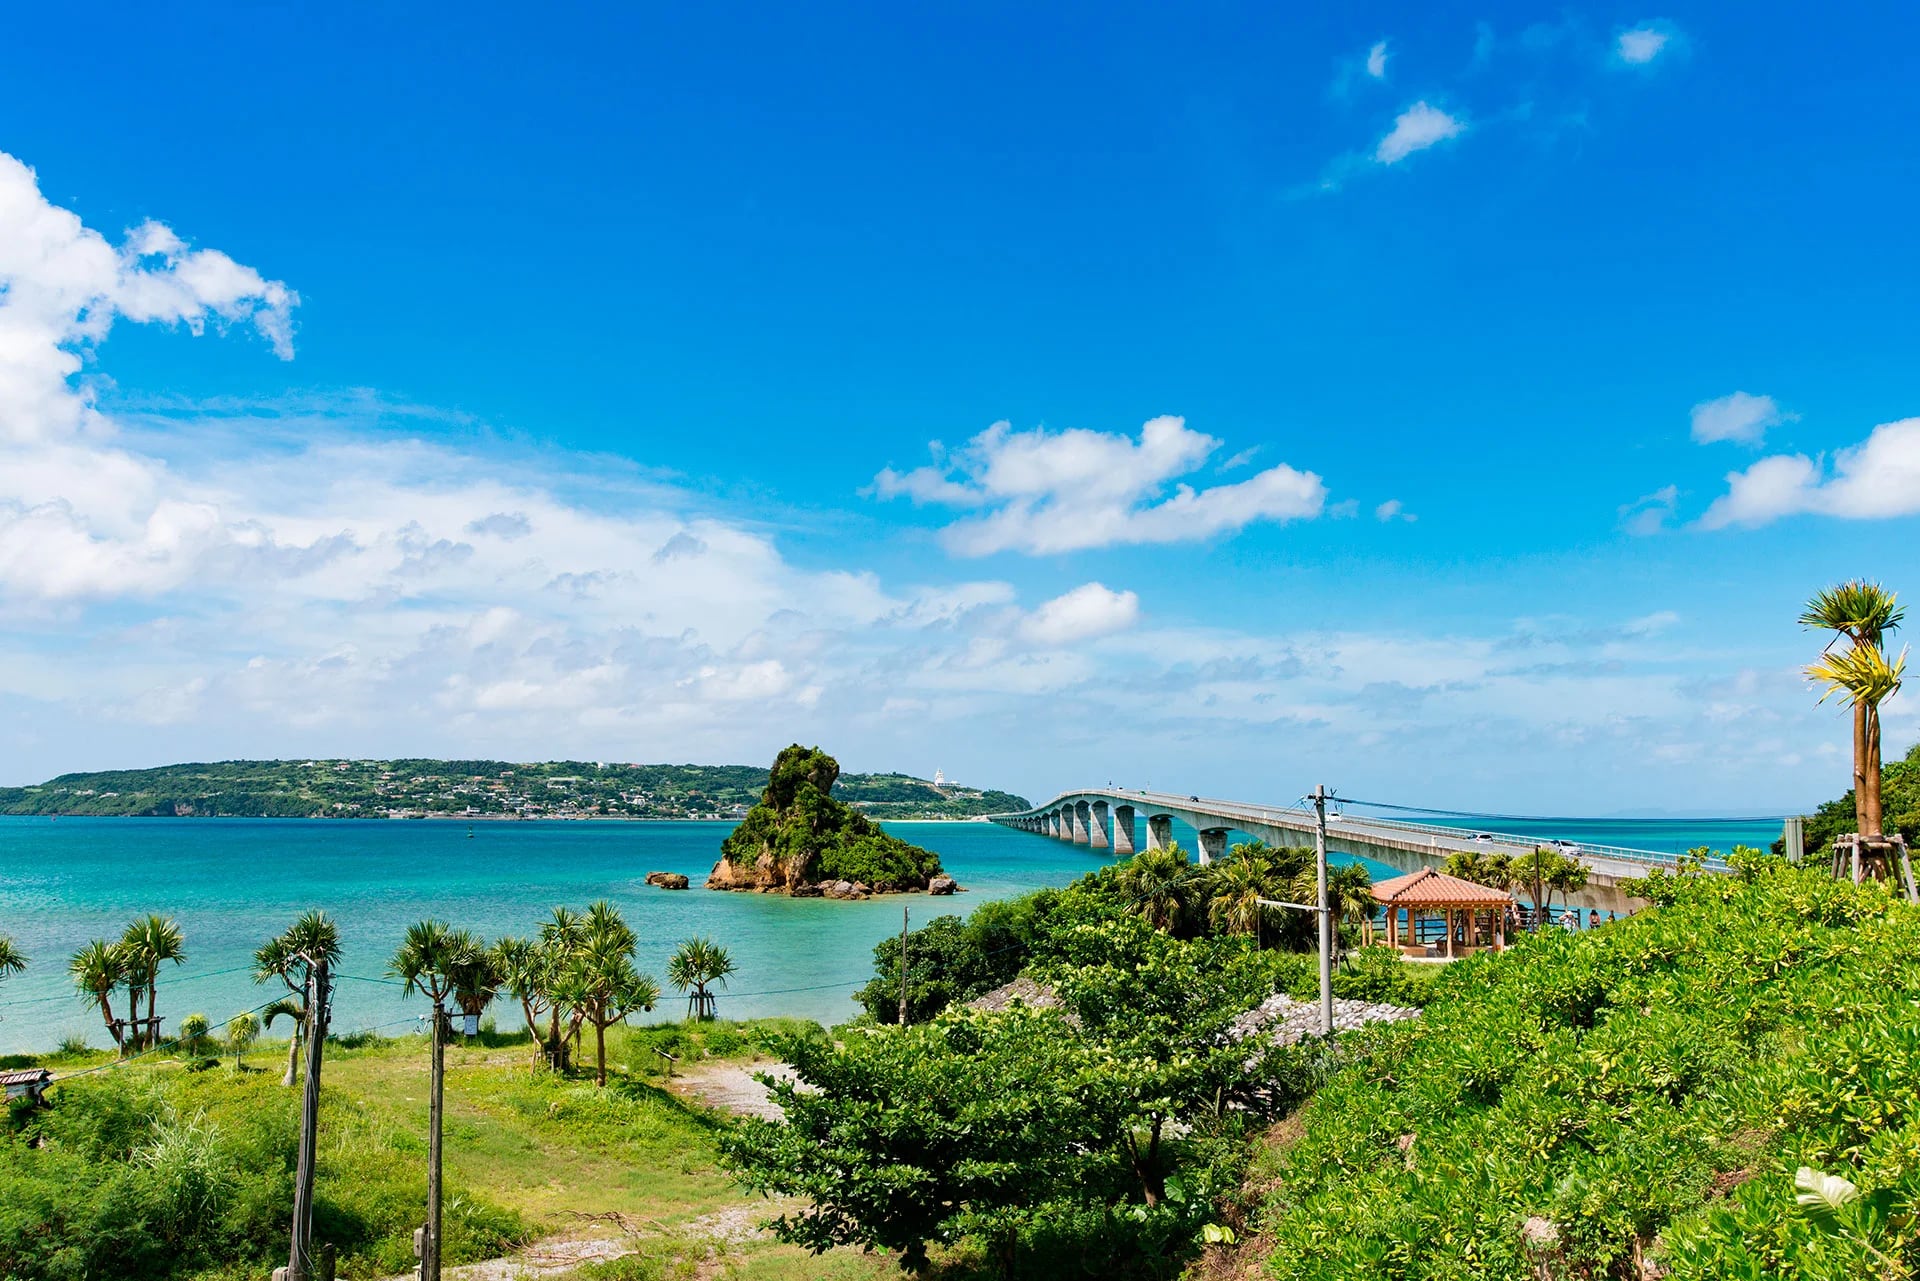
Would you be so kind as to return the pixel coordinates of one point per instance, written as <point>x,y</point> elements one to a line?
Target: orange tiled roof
<point>1428,888</point>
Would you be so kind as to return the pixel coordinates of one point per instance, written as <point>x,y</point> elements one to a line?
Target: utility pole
<point>430,1246</point>
<point>903,967</point>
<point>300,1257</point>
<point>1326,910</point>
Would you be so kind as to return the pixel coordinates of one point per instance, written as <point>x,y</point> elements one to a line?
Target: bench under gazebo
<point>1461,902</point>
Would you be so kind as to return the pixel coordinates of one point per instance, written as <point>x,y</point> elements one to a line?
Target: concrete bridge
<point>1107,819</point>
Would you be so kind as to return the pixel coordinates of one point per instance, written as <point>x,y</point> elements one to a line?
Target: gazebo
<point>1431,891</point>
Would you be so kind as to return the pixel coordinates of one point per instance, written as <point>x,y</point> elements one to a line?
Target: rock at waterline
<point>667,880</point>
<point>942,884</point>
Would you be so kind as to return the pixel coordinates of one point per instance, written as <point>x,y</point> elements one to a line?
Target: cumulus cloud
<point>1417,128</point>
<point>1393,509</point>
<point>1739,417</point>
<point>1874,480</point>
<point>1638,46</point>
<point>1087,611</point>
<point>1377,61</point>
<point>1043,491</point>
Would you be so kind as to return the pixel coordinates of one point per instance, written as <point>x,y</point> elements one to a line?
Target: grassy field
<point>529,1156</point>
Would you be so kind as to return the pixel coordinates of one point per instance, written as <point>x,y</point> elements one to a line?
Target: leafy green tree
<point>290,957</point>
<point>1235,886</point>
<point>695,967</point>
<point>950,960</point>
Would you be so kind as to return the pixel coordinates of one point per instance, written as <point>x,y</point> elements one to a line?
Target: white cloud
<point>1393,509</point>
<point>1087,611</point>
<point>1418,127</point>
<point>1377,61</point>
<point>1876,479</point>
<point>1739,417</point>
<point>1639,46</point>
<point>1649,513</point>
<point>1043,492</point>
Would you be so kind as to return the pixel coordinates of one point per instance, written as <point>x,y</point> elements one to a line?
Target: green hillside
<point>478,789</point>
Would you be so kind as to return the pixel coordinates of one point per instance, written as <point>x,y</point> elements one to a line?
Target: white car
<point>1569,848</point>
<point>1481,838</point>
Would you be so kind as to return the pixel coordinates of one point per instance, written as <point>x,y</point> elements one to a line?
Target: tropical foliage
<point>290,957</point>
<point>1087,1139</point>
<point>695,967</point>
<point>578,973</point>
<point>1861,613</point>
<point>1640,1097</point>
<point>133,962</point>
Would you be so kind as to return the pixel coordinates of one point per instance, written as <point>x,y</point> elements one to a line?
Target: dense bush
<point>953,960</point>
<point>1586,1102</point>
<point>1093,1139</point>
<point>152,1173</point>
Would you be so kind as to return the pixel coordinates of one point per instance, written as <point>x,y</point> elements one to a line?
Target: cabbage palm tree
<point>149,943</point>
<point>98,969</point>
<point>1864,679</point>
<point>1863,612</point>
<point>241,1030</point>
<point>1236,885</point>
<point>1156,884</point>
<point>698,963</point>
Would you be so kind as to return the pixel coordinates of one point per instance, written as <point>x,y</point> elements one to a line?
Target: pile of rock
<point>667,880</point>
<point>845,889</point>
<point>942,884</point>
<point>1285,1020</point>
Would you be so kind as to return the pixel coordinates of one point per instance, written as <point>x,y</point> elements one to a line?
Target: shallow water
<point>232,883</point>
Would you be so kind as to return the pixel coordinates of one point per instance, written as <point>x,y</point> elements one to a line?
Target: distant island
<point>799,840</point>
<point>417,788</point>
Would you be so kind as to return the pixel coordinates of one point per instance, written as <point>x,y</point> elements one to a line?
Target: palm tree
<point>476,982</point>
<point>1350,895</point>
<point>12,959</point>
<point>151,942</point>
<point>1864,679</point>
<point>241,1030</point>
<point>522,967</point>
<point>606,987</point>
<point>290,957</point>
<point>1863,612</point>
<point>1156,884</point>
<point>97,969</point>
<point>426,962</point>
<point>1465,864</point>
<point>698,963</point>
<point>1237,883</point>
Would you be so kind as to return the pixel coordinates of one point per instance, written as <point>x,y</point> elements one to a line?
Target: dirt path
<point>730,1087</point>
<point>541,1259</point>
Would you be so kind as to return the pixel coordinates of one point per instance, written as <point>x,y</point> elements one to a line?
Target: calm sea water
<point>231,883</point>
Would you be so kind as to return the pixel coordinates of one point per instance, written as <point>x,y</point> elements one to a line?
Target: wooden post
<point>300,1257</point>
<point>430,1252</point>
<point>903,967</point>
<point>1449,934</point>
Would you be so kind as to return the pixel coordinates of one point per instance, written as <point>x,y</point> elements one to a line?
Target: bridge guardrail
<point>1296,813</point>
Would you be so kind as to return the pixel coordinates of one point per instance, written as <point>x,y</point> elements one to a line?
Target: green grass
<point>528,1155</point>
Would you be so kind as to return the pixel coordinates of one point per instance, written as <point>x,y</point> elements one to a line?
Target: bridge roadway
<point>1106,819</point>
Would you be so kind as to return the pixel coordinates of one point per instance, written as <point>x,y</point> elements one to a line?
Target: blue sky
<point>569,383</point>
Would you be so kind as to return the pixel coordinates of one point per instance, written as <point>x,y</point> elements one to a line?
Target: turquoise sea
<point>231,883</point>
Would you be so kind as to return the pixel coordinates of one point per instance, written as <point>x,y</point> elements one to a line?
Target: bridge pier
<point>1213,844</point>
<point>1081,812</point>
<point>1097,830</point>
<point>1123,829</point>
<point>1061,829</point>
<point>1159,831</point>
